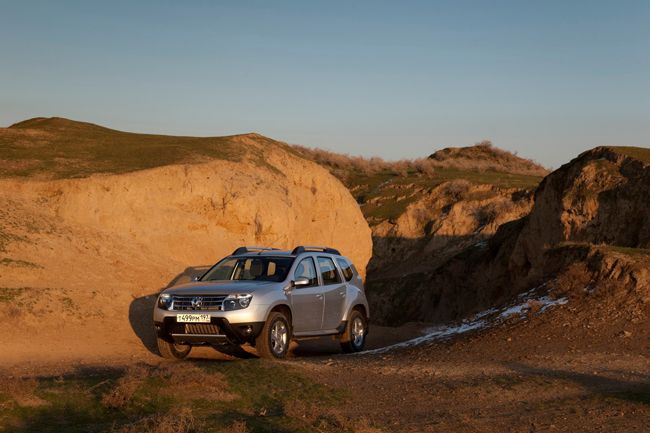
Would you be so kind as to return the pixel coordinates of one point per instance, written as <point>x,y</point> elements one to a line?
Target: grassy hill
<point>384,189</point>
<point>61,148</point>
<point>484,156</point>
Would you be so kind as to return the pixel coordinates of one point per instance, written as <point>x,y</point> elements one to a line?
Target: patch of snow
<point>517,309</point>
<point>433,334</point>
<point>485,313</point>
<point>484,319</point>
<point>548,302</point>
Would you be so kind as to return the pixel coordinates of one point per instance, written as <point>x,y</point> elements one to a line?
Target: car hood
<point>220,287</point>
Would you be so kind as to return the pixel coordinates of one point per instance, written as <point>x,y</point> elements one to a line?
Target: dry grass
<point>20,392</point>
<point>457,188</point>
<point>194,383</point>
<point>339,162</point>
<point>327,419</point>
<point>188,397</point>
<point>484,156</point>
<point>126,386</point>
<point>236,427</point>
<point>181,421</point>
<point>489,213</point>
<point>481,157</point>
<point>184,380</point>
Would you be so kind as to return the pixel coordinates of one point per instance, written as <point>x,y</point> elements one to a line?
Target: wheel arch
<point>362,308</point>
<point>284,309</point>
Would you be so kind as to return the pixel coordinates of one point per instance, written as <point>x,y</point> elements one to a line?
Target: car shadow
<point>188,275</point>
<point>141,309</point>
<point>141,320</point>
<point>234,351</point>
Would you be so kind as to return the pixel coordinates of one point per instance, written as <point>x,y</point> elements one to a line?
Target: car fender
<point>355,297</point>
<point>278,302</point>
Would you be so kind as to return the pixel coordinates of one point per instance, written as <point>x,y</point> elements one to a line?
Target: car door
<point>307,302</point>
<point>333,291</point>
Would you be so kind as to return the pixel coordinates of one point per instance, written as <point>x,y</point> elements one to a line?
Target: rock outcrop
<point>601,197</point>
<point>447,219</point>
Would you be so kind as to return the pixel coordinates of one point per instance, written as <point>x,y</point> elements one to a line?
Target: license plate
<point>193,318</point>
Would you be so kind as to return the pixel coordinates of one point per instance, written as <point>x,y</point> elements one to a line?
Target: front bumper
<point>237,326</point>
<point>218,331</point>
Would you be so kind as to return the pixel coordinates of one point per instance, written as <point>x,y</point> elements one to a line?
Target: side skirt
<point>306,335</point>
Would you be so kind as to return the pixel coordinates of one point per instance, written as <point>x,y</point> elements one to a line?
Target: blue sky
<point>547,79</point>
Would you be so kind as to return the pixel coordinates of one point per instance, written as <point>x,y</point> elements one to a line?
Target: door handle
<point>319,296</point>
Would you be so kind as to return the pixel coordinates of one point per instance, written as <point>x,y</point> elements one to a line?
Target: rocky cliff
<point>600,198</point>
<point>587,233</point>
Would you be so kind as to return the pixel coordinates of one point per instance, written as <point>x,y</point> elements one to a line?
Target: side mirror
<point>300,282</point>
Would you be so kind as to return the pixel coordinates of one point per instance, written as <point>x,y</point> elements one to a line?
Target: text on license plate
<point>193,318</point>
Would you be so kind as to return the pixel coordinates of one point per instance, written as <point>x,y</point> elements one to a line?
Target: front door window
<point>306,269</point>
<point>307,302</point>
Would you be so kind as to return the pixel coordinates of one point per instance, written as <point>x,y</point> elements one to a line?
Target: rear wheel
<point>172,350</point>
<point>273,341</point>
<point>354,337</point>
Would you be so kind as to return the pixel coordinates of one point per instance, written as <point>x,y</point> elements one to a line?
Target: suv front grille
<point>201,328</point>
<point>192,302</point>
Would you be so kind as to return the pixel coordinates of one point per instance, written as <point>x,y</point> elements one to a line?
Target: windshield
<point>250,269</point>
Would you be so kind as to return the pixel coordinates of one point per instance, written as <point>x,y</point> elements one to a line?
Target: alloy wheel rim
<point>358,331</point>
<point>279,334</point>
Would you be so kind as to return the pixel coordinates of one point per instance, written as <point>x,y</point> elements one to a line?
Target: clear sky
<point>397,79</point>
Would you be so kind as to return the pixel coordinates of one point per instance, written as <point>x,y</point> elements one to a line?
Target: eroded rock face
<point>601,197</point>
<point>161,220</point>
<point>449,218</point>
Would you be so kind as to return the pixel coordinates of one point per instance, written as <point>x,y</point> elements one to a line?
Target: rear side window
<point>306,269</point>
<point>346,268</point>
<point>328,271</point>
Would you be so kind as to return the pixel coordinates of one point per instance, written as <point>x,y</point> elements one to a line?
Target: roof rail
<point>304,248</point>
<point>250,249</point>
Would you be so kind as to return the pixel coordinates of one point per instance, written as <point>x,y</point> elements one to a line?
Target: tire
<point>273,341</point>
<point>171,350</point>
<point>354,336</point>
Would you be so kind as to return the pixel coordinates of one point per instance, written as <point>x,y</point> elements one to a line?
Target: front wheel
<point>354,337</point>
<point>273,341</point>
<point>172,350</point>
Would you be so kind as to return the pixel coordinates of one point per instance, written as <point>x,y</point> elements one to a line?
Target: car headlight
<point>237,302</point>
<point>165,301</point>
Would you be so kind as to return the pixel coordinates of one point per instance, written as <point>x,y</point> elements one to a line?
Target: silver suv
<point>265,297</point>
